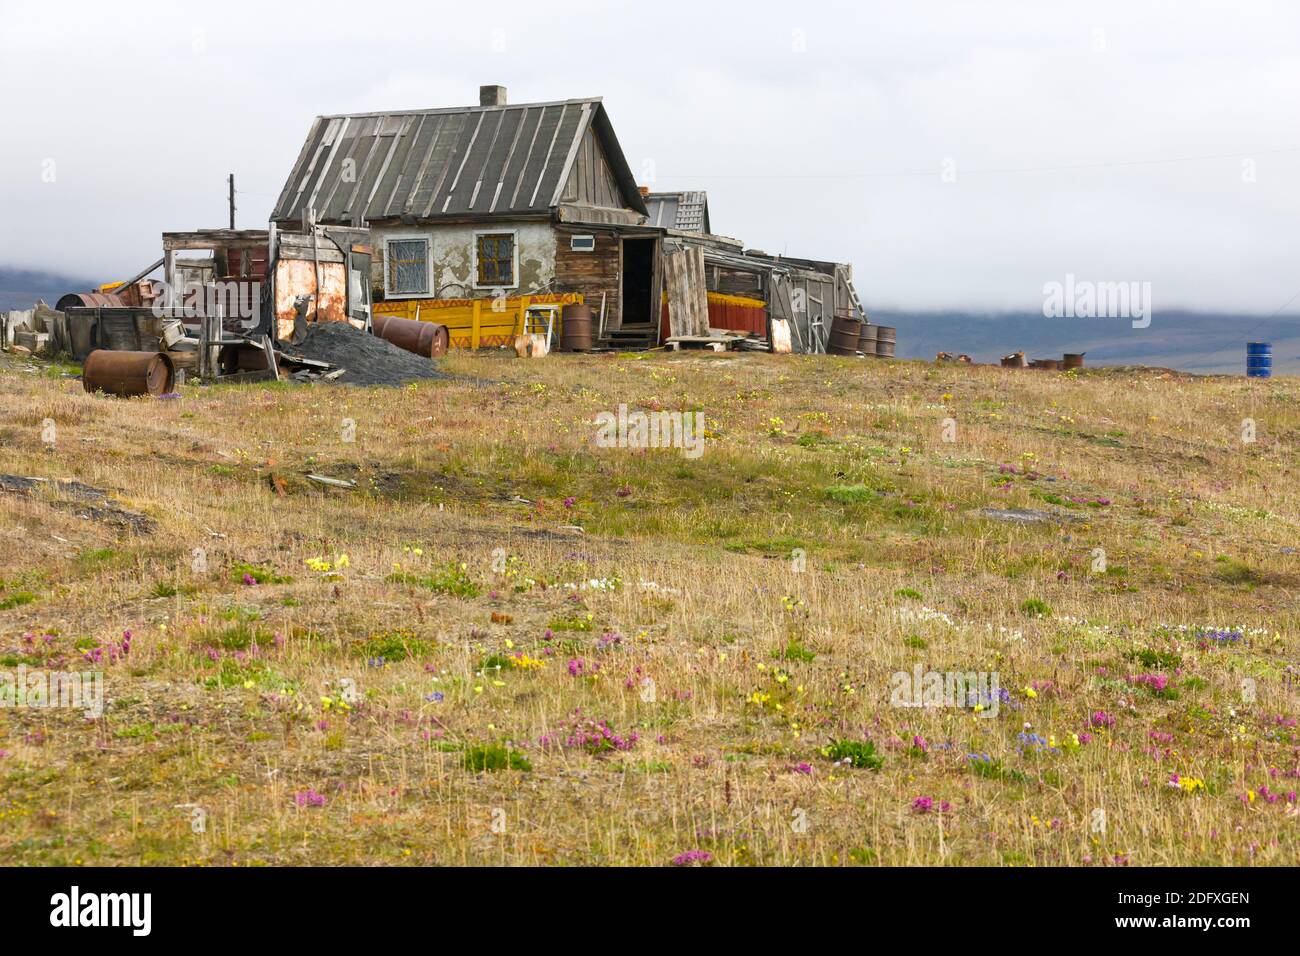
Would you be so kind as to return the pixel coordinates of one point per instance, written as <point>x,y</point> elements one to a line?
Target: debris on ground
<point>1026,515</point>
<point>33,331</point>
<point>331,482</point>
<point>92,504</point>
<point>364,359</point>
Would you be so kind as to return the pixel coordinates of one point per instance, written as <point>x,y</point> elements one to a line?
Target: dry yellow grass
<point>374,688</point>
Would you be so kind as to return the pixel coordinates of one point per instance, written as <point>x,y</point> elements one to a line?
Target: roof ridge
<point>460,109</point>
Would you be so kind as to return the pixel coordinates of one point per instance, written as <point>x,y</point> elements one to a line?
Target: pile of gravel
<point>368,359</point>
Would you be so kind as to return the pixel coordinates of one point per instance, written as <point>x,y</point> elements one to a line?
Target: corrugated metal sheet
<point>450,163</point>
<point>684,211</point>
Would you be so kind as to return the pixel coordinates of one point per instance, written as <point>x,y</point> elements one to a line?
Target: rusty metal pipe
<point>423,338</point>
<point>128,373</point>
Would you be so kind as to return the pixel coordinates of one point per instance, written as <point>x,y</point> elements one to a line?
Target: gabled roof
<point>684,211</point>
<point>459,163</point>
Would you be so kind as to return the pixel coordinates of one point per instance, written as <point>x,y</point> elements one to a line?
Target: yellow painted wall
<point>474,323</point>
<point>736,300</point>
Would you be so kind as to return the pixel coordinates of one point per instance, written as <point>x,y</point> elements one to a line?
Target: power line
<point>1264,321</point>
<point>882,174</point>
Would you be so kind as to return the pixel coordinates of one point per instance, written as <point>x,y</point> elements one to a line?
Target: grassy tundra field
<point>507,645</point>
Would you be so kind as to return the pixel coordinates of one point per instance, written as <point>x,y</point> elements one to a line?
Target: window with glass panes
<point>408,266</point>
<point>496,259</point>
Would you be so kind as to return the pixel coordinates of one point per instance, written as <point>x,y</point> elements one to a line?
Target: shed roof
<point>457,163</point>
<point>685,211</point>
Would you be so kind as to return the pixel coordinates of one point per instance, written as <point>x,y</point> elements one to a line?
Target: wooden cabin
<point>477,212</point>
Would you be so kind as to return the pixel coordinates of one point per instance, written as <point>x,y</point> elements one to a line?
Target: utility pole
<point>232,201</point>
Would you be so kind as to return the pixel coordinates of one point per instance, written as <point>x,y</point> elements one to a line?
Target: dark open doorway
<point>638,282</point>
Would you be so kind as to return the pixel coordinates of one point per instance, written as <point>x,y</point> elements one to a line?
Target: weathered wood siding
<point>591,273</point>
<point>592,182</point>
<point>684,282</point>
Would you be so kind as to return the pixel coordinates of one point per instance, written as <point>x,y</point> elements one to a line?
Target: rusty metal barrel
<point>1072,360</point>
<point>423,338</point>
<point>845,332</point>
<point>886,337</point>
<point>867,340</point>
<point>575,328</point>
<point>128,373</point>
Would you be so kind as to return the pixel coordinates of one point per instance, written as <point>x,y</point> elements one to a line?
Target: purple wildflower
<point>692,857</point>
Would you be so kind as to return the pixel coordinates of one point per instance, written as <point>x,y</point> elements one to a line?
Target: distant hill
<point>19,289</point>
<point>1189,341</point>
<point>1203,342</point>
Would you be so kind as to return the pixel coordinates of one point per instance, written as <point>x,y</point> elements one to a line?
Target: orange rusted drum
<point>575,328</point>
<point>423,338</point>
<point>89,300</point>
<point>1072,360</point>
<point>128,373</point>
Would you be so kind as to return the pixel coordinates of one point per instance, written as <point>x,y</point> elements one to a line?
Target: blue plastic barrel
<point>1259,359</point>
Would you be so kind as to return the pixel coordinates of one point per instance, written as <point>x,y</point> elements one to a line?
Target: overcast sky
<point>958,154</point>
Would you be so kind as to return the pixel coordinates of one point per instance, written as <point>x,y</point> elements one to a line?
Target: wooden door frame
<point>656,307</point>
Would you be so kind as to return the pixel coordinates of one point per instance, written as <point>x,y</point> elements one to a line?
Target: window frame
<point>389,292</point>
<point>514,259</point>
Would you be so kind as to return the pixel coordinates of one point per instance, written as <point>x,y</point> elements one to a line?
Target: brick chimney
<point>491,96</point>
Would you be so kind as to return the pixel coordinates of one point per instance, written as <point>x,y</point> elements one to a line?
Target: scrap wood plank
<point>331,482</point>
<point>299,360</point>
<point>718,343</point>
<point>688,297</point>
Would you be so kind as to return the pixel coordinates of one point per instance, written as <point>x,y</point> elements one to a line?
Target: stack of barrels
<point>850,336</point>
